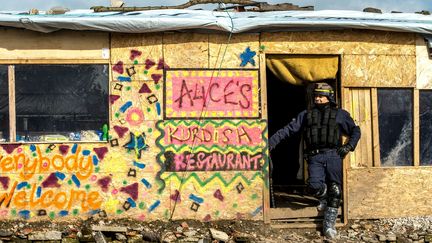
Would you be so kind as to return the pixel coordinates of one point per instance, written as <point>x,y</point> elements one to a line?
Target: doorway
<point>290,205</point>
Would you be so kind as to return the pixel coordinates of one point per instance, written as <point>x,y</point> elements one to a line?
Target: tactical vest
<point>321,129</point>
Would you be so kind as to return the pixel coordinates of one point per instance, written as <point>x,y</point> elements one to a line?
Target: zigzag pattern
<point>215,122</point>
<point>203,148</point>
<point>158,177</point>
<point>193,177</point>
<point>159,127</point>
<point>265,167</point>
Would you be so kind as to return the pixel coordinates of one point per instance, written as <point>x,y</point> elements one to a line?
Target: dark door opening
<point>285,102</point>
<point>290,205</point>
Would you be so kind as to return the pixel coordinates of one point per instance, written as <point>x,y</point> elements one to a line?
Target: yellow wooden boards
<point>354,42</point>
<point>19,44</point>
<point>360,110</point>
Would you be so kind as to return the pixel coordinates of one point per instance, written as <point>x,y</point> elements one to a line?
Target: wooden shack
<point>170,124</point>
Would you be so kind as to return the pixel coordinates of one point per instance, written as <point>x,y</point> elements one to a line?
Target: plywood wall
<point>378,70</point>
<point>235,51</point>
<point>19,45</point>
<point>369,58</point>
<point>389,192</point>
<point>424,64</point>
<point>354,42</point>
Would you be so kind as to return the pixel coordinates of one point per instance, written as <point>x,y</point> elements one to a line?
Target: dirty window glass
<point>395,114</point>
<point>425,127</point>
<point>4,104</point>
<point>61,102</point>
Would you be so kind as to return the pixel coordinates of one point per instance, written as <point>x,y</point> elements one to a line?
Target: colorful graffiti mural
<point>151,168</point>
<point>227,153</point>
<point>228,93</point>
<point>212,145</point>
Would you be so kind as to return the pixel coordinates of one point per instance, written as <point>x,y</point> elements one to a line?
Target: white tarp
<point>204,20</point>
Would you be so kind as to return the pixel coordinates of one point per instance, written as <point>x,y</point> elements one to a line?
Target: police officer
<point>323,125</point>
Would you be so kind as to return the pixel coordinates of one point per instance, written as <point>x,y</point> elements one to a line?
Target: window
<point>61,102</point>
<point>425,127</point>
<point>4,104</point>
<point>395,119</point>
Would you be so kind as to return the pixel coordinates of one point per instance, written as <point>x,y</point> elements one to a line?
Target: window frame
<point>374,130</point>
<point>12,103</point>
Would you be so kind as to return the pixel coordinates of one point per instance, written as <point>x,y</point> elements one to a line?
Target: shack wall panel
<point>133,103</point>
<point>186,50</point>
<point>19,44</point>
<point>389,192</point>
<point>378,71</point>
<point>361,114</point>
<point>424,64</point>
<point>339,42</point>
<point>239,51</point>
<point>217,195</point>
<point>136,48</point>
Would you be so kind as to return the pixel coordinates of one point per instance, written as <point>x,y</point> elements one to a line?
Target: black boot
<point>329,224</point>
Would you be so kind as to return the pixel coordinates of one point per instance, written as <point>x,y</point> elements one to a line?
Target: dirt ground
<point>417,229</point>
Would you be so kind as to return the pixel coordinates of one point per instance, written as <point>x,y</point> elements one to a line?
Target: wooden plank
<point>289,213</point>
<point>12,110</point>
<point>358,153</point>
<point>379,71</point>
<point>264,115</point>
<point>344,191</point>
<point>354,42</point>
<point>19,44</point>
<point>416,128</point>
<point>302,225</point>
<point>387,192</point>
<point>375,128</point>
<point>226,52</point>
<point>263,86</point>
<point>54,61</point>
<point>368,129</point>
<point>186,50</point>
<point>346,104</point>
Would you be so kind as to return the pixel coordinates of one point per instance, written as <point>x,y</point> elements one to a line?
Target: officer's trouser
<point>324,168</point>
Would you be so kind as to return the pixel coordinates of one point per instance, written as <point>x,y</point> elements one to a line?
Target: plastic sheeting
<point>301,69</point>
<point>236,22</point>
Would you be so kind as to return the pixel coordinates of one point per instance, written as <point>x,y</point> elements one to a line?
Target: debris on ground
<point>413,229</point>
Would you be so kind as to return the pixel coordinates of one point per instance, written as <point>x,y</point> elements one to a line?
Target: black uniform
<point>323,128</point>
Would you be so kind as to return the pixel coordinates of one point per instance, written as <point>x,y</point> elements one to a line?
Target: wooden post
<point>263,92</point>
<point>12,113</point>
<point>416,128</point>
<point>375,129</point>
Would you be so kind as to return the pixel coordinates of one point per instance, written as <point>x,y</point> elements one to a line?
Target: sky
<point>407,6</point>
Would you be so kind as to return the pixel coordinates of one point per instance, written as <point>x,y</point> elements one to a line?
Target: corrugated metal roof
<point>203,20</point>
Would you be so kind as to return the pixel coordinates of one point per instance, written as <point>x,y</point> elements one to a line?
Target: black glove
<point>343,150</point>
<point>270,148</point>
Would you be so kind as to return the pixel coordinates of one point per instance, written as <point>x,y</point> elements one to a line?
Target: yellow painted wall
<point>133,175</point>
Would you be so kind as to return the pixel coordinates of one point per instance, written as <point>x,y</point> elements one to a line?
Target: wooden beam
<point>12,111</point>
<point>375,128</point>
<point>54,61</point>
<point>416,128</point>
<point>264,115</point>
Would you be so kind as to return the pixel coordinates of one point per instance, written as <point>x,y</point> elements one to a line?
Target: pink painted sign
<point>214,161</point>
<point>213,134</point>
<point>203,94</point>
